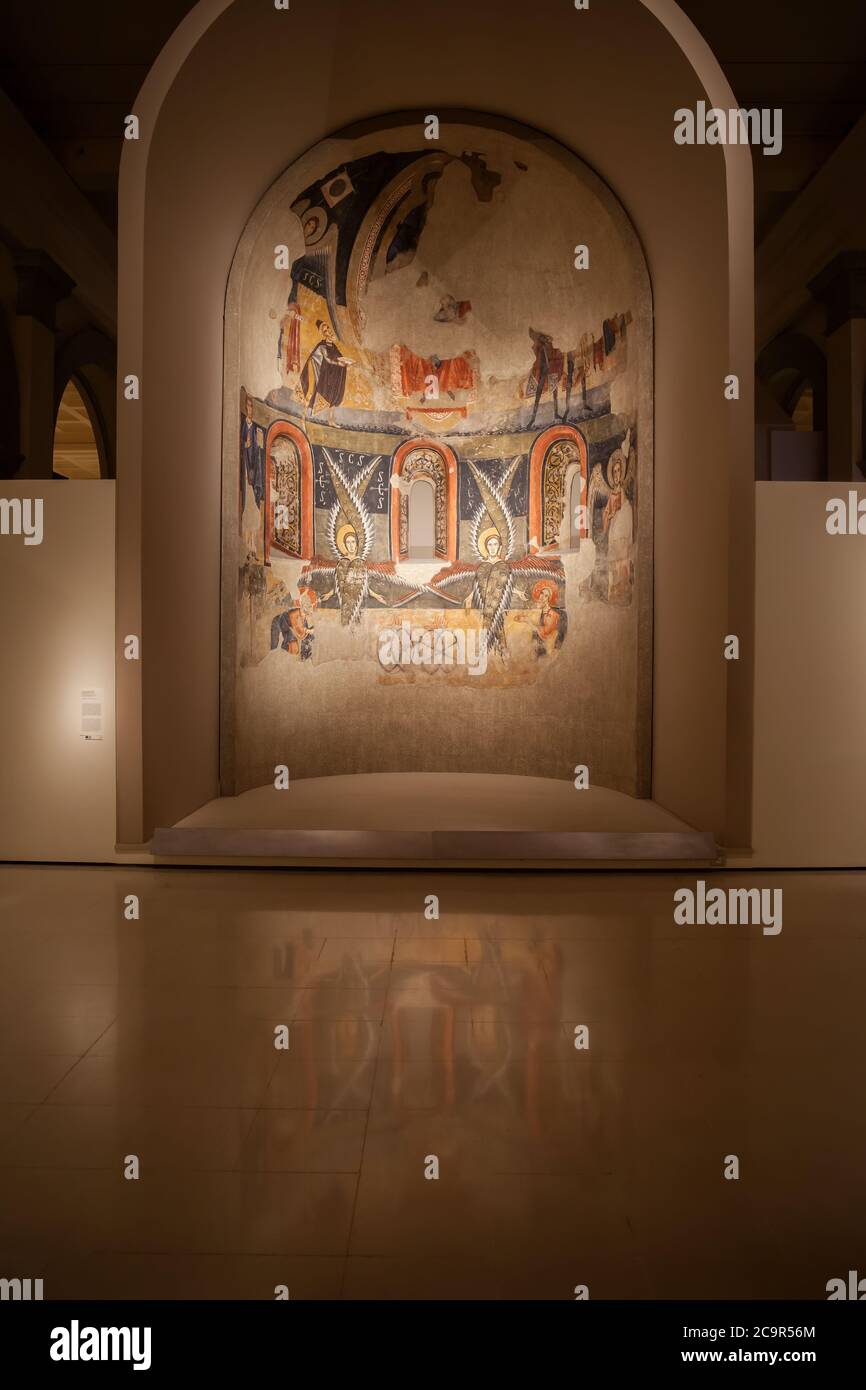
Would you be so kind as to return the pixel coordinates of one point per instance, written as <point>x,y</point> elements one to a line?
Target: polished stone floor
<point>412,1039</point>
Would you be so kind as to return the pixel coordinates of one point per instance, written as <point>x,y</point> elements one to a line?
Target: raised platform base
<point>451,819</point>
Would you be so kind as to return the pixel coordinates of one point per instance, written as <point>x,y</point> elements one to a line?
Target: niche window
<point>76,451</point>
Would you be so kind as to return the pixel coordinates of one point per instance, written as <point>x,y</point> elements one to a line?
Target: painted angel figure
<point>612,525</point>
<point>492,589</point>
<point>352,578</point>
<point>350,537</point>
<point>490,585</point>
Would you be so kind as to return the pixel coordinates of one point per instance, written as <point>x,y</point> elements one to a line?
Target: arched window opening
<point>791,420</point>
<point>575,507</point>
<point>798,452</point>
<point>426,461</point>
<point>76,451</point>
<point>557,489</point>
<point>804,411</point>
<point>422,519</point>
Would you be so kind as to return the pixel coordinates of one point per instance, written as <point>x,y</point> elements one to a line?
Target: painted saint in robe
<point>293,629</point>
<point>252,460</point>
<point>289,342</point>
<point>324,374</point>
<point>550,630</point>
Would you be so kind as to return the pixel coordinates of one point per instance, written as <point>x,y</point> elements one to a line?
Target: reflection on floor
<point>411,1038</point>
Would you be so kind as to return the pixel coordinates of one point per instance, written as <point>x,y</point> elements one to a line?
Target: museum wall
<point>810,751</point>
<point>57,629</point>
<point>810,681</point>
<point>250,99</point>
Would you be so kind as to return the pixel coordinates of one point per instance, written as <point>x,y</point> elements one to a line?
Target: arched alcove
<point>573,524</point>
<point>793,370</point>
<point>692,208</point>
<point>287,491</point>
<point>558,455</point>
<point>78,451</point>
<point>382,307</point>
<point>89,358</point>
<point>435,460</point>
<point>422,519</point>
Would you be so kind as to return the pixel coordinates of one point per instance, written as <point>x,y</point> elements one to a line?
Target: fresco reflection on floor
<point>413,1037</point>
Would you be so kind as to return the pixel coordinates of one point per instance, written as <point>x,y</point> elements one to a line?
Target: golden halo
<point>486,537</point>
<point>315,223</point>
<point>546,584</point>
<point>342,533</point>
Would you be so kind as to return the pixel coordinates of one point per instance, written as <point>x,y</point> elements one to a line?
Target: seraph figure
<point>490,585</point>
<point>350,537</point>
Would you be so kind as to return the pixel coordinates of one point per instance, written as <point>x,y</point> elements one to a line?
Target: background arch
<point>786,364</point>
<point>422,504</point>
<point>397,463</point>
<point>168,726</point>
<point>90,359</point>
<point>285,429</point>
<point>537,459</point>
<point>78,450</point>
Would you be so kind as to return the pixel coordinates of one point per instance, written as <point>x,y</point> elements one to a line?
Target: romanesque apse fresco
<point>445,432</point>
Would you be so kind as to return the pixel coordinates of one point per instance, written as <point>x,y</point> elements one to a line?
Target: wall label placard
<point>93,714</point>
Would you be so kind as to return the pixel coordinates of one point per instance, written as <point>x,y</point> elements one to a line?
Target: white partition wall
<point>57,691</point>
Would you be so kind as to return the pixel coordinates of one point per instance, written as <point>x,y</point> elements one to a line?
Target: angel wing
<point>319,575</point>
<point>629,472</point>
<point>508,477</point>
<point>350,505</point>
<point>385,572</point>
<point>597,494</point>
<point>458,572</point>
<point>318,569</point>
<point>537,567</point>
<point>494,504</point>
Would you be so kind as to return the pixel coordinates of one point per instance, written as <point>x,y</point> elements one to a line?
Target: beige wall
<point>810,681</point>
<point>218,134</point>
<point>57,634</point>
<point>56,625</point>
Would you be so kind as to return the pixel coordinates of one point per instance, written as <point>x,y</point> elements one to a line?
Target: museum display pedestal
<point>434,817</point>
